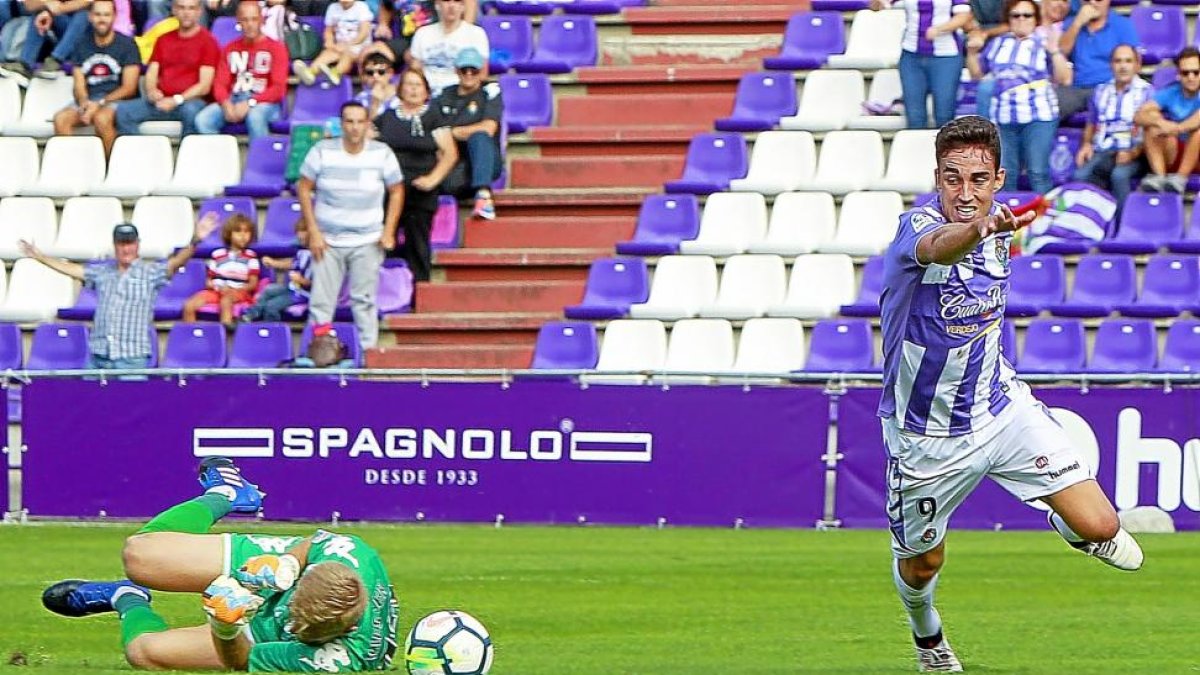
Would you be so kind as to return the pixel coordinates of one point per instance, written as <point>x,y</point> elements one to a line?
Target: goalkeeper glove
<point>272,572</point>
<point>229,607</point>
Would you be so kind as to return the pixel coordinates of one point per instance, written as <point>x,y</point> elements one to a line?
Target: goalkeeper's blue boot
<point>76,597</point>
<point>218,475</point>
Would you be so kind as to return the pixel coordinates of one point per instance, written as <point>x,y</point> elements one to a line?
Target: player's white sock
<point>919,604</point>
<point>1060,526</point>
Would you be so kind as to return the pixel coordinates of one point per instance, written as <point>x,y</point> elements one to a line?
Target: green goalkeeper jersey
<point>369,647</point>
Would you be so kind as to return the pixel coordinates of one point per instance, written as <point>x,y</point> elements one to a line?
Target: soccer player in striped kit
<point>952,409</point>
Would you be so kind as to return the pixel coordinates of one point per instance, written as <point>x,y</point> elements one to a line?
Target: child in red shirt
<point>233,272</point>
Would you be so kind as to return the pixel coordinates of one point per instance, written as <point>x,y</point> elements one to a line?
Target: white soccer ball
<point>448,642</point>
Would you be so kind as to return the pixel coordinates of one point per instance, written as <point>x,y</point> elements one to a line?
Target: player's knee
<point>139,654</point>
<point>136,557</point>
<point>920,570</point>
<point>1100,527</point>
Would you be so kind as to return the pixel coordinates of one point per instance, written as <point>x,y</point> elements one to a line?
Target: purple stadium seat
<point>528,7</point>
<point>1162,30</point>
<point>261,345</point>
<point>195,345</point>
<point>712,161</point>
<point>1181,352</point>
<point>510,39</point>
<point>841,346</point>
<point>565,43</point>
<point>445,224</point>
<point>83,309</point>
<point>840,5</point>
<point>1037,282</point>
<point>762,98</point>
<point>1164,76</point>
<point>1014,199</point>
<point>663,222</point>
<point>315,104</point>
<point>528,101</point>
<point>262,177</point>
<point>279,231</point>
<point>10,347</point>
<point>317,23</point>
<point>1054,346</point>
<point>867,302</point>
<point>566,345</point>
<point>59,346</point>
<point>1149,221</point>
<point>223,207</point>
<point>613,285</point>
<point>604,6</point>
<point>1008,342</point>
<point>1102,282</point>
<point>189,279</point>
<point>344,331</point>
<point>1124,346</point>
<point>1170,286</point>
<point>225,30</point>
<point>1190,242</point>
<point>808,41</point>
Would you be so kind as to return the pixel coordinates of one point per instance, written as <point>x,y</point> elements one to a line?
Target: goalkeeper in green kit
<point>321,603</point>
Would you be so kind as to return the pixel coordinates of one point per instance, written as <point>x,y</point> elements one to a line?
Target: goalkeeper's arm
<point>230,607</point>
<point>235,653</point>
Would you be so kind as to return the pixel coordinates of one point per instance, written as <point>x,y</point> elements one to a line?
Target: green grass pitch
<point>689,601</point>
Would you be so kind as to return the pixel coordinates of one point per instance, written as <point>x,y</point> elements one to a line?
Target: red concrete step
<point>458,357</point>
<point>681,81</point>
<point>615,110</point>
<point>614,141</point>
<point>648,171</point>
<point>518,265</point>
<point>497,296</point>
<point>543,232</point>
<point>470,328</point>
<point>713,20</point>
<point>571,202</point>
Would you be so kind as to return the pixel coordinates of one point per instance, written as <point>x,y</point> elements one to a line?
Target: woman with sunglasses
<point>1024,106</point>
<point>426,152</point>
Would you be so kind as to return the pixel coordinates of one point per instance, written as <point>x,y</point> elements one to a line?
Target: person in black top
<point>474,113</point>
<point>418,135</point>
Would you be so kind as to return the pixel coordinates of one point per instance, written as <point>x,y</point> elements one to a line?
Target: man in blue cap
<point>473,113</point>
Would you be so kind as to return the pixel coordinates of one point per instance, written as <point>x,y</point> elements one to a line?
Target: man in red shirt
<point>251,79</point>
<point>179,77</point>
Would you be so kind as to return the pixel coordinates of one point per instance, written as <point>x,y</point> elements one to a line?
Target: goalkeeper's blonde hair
<point>329,601</point>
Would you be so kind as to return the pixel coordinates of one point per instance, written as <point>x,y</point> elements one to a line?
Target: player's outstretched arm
<point>230,607</point>
<point>951,242</point>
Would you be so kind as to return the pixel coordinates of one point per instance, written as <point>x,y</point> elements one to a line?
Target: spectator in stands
<point>347,32</point>
<point>1168,120</point>
<point>408,16</point>
<point>1111,154</point>
<point>251,79</point>
<point>107,68</point>
<point>126,287</point>
<point>179,76</point>
<point>343,186</point>
<point>930,59</point>
<point>436,46</point>
<point>473,113</point>
<point>379,93</point>
<point>1023,106</point>
<point>1088,39</point>
<point>64,20</point>
<point>274,299</point>
<point>427,152</point>
<point>233,272</point>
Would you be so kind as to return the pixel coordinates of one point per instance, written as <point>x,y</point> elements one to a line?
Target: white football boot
<point>938,659</point>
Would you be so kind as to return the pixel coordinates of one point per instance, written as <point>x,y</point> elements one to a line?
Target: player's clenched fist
<point>274,572</point>
<point>229,606</point>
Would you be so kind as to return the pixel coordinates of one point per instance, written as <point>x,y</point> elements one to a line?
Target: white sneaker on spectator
<point>303,73</point>
<point>1177,183</point>
<point>1154,182</point>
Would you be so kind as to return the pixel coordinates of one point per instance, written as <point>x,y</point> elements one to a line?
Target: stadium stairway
<point>620,131</point>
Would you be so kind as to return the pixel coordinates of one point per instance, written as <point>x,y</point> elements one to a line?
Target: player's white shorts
<point>1023,449</point>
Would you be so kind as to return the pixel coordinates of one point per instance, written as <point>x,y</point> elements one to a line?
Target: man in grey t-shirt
<point>342,186</point>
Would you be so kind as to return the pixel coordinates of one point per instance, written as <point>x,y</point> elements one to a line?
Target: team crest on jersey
<point>1041,462</point>
<point>929,535</point>
<point>921,221</point>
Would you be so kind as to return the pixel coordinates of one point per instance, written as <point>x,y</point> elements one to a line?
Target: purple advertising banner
<point>535,451</point>
<point>1142,442</point>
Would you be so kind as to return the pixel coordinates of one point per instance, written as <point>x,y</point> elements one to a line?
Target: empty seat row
<point>1105,284</point>
<point>543,7</point>
<point>563,44</point>
<point>1120,346</point>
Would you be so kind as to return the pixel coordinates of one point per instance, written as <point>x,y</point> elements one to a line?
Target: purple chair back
<point>566,345</point>
<point>59,346</point>
<point>613,284</point>
<point>712,161</point>
<point>1162,30</point>
<point>1148,222</point>
<point>1164,76</point>
<point>1105,280</point>
<point>189,279</point>
<point>315,104</point>
<point>510,39</point>
<point>1124,346</point>
<point>565,43</point>
<point>663,222</point>
<point>223,207</point>
<point>266,162</point>
<point>84,308</point>
<point>344,331</point>
<point>808,40</point>
<point>761,100</point>
<point>444,233</point>
<point>279,230</point>
<point>528,101</point>
<point>11,355</point>
<point>1172,282</point>
<point>195,345</point>
<point>528,7</point>
<point>841,345</point>
<point>1054,346</point>
<point>1036,282</point>
<point>225,30</point>
<point>395,289</point>
<point>1181,352</point>
<point>867,302</point>
<point>261,345</point>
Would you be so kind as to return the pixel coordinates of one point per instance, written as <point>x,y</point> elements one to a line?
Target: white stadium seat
<point>138,165</point>
<point>85,229</point>
<point>204,167</point>
<point>630,345</point>
<point>682,285</point>
<point>163,128</point>
<point>164,224</point>
<point>873,43</point>
<point>884,91</point>
<point>911,162</point>
<point>801,222</point>
<point>770,346</point>
<point>749,285</point>
<point>30,218</point>
<point>781,161</point>
<point>20,165</point>
<point>731,220</point>
<point>830,99</point>
<point>699,346</point>
<point>36,292</point>
<point>10,102</point>
<point>819,286</point>
<point>71,166</point>
<point>866,224</point>
<point>849,161</point>
<point>43,99</point>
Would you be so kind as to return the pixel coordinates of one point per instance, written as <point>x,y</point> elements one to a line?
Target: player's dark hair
<point>967,132</point>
